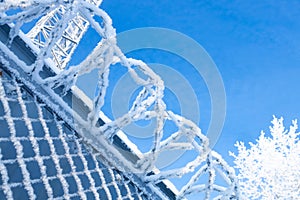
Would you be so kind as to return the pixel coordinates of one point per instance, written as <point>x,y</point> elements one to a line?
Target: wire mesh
<point>42,157</point>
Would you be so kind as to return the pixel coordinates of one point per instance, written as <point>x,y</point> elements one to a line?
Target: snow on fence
<point>209,175</point>
<point>42,157</point>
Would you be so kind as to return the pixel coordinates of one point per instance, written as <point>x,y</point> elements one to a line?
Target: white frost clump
<point>270,168</point>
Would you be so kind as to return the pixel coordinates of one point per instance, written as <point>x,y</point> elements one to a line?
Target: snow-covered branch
<point>269,168</point>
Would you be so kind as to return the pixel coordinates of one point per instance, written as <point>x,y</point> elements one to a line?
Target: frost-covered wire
<point>17,144</point>
<point>149,103</point>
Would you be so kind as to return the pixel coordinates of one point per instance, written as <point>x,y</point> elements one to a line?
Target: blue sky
<point>255,45</point>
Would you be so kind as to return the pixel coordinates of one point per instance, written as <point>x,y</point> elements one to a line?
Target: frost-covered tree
<point>270,168</point>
